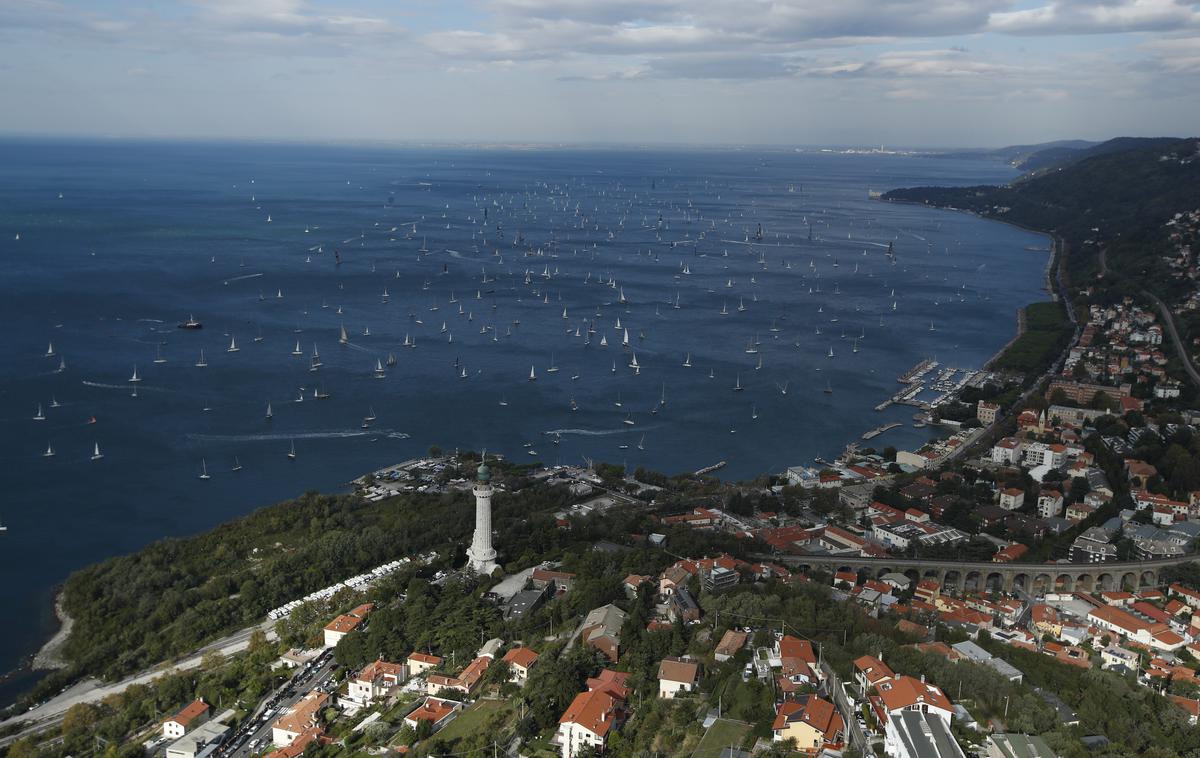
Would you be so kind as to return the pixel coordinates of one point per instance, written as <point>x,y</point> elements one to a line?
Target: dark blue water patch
<point>146,234</point>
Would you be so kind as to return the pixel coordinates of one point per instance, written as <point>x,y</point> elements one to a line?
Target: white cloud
<point>1098,17</point>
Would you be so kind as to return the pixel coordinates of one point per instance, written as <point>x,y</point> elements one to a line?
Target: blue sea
<point>494,262</point>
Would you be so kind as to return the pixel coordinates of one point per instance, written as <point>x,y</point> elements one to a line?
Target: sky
<point>900,73</point>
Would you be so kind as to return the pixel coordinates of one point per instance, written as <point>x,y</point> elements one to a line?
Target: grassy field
<point>1047,330</point>
<point>719,736</point>
<point>471,720</point>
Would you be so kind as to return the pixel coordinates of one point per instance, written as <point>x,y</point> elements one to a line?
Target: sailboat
<point>50,350</point>
<point>237,465</point>
<point>296,350</point>
<point>201,363</point>
<point>135,377</point>
<point>343,338</point>
<point>233,348</point>
<point>828,388</point>
<point>532,374</point>
<point>49,452</point>
<point>292,453</point>
<point>503,402</point>
<point>642,443</point>
<point>628,419</point>
<point>737,387</point>
<point>269,413</point>
<point>62,365</point>
<point>96,454</point>
<point>553,369</point>
<point>204,470</point>
<point>687,361</point>
<point>158,357</point>
<point>370,413</point>
<point>753,412</point>
<point>378,369</point>
<point>39,416</point>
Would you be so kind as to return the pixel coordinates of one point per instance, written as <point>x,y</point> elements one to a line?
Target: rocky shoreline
<point>50,656</point>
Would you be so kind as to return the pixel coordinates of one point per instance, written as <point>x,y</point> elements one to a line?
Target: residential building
<point>917,734</point>
<point>419,663</point>
<point>905,693</point>
<point>798,660</point>
<point>813,722</point>
<point>1018,746</point>
<point>376,680</point>
<point>1050,503</point>
<point>520,660</point>
<point>201,740</point>
<point>676,675</point>
<point>593,714</point>
<point>190,716</point>
<point>1012,498</point>
<point>869,671</point>
<point>602,630</point>
<point>986,412</point>
<point>435,711</point>
<point>302,716</point>
<point>465,682</point>
<point>342,625</point>
<point>719,579</point>
<point>683,607</point>
<point>1092,547</point>
<point>1007,451</point>
<point>731,642</point>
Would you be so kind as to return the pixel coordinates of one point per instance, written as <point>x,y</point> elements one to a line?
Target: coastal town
<point>980,595</point>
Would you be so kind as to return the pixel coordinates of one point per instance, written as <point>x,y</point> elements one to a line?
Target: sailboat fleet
<point>570,281</point>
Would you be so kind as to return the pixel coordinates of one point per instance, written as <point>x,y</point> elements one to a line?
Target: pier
<point>872,434</point>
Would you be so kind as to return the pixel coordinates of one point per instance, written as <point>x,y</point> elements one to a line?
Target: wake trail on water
<point>243,276</point>
<point>595,432</point>
<point>276,437</point>
<point>139,386</point>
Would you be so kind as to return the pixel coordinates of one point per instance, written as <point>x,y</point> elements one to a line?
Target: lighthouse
<point>481,555</point>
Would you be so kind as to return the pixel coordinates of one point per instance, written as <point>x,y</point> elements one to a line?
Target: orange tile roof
<point>814,711</point>
<point>521,656</point>
<point>303,714</point>
<point>594,710</point>
<point>434,710</point>
<point>190,712</point>
<point>875,669</point>
<point>612,682</point>
<point>345,623</point>
<point>905,691</point>
<point>432,660</point>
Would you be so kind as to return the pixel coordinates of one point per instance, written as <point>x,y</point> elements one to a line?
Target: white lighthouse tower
<point>481,555</point>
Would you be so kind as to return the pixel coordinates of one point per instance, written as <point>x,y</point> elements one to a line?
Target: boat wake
<point>140,387</point>
<point>150,321</point>
<point>280,436</point>
<point>243,276</point>
<point>592,432</point>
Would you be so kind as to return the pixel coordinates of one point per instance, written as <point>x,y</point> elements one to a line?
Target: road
<point>256,730</point>
<point>1169,320</point>
<point>849,713</point>
<point>50,713</point>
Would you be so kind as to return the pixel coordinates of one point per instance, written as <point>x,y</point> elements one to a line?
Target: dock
<point>880,430</point>
<point>710,469</point>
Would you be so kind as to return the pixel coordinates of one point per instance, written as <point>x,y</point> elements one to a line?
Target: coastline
<point>49,657</point>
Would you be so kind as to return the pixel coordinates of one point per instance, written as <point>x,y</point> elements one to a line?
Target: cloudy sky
<point>846,72</point>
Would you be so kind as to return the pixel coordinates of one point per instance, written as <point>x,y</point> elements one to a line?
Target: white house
<point>676,675</point>
<point>1007,451</point>
<point>190,716</point>
<point>376,680</point>
<point>1012,498</point>
<point>1050,503</point>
